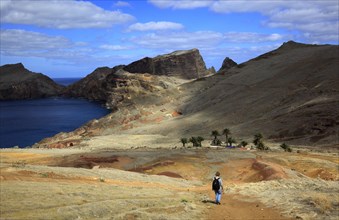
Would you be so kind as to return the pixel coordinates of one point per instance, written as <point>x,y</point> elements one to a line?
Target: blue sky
<point>66,38</point>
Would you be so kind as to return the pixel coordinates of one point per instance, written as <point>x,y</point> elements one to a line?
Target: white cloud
<point>316,20</point>
<point>62,14</point>
<point>28,44</point>
<point>13,41</point>
<point>179,40</point>
<point>250,37</point>
<point>155,26</point>
<point>21,43</point>
<point>201,39</point>
<point>182,4</point>
<point>114,47</point>
<point>122,4</point>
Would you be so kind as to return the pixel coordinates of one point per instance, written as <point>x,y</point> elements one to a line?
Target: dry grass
<point>324,203</point>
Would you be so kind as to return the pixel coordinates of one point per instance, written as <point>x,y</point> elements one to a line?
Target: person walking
<point>217,187</point>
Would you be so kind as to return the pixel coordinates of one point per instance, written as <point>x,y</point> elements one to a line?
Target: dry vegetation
<point>257,185</point>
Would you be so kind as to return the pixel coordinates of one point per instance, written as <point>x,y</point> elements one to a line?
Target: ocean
<point>66,81</point>
<point>25,122</point>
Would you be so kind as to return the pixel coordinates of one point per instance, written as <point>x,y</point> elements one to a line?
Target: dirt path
<point>234,207</point>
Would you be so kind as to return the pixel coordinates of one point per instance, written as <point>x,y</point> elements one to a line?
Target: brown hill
<point>16,82</point>
<point>289,94</point>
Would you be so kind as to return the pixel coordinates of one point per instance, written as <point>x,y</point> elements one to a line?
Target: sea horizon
<point>66,81</point>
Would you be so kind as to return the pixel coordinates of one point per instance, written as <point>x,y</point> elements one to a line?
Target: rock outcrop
<point>116,87</point>
<point>120,83</point>
<point>94,86</point>
<point>187,64</point>
<point>227,64</point>
<point>16,82</point>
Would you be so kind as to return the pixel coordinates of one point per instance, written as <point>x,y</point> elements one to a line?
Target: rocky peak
<point>17,82</point>
<point>93,86</point>
<point>228,63</point>
<point>13,68</point>
<point>292,45</point>
<point>187,64</point>
<point>212,70</point>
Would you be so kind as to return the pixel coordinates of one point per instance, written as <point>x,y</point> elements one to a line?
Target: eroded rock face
<point>116,87</point>
<point>16,82</point>
<point>187,64</point>
<point>120,83</point>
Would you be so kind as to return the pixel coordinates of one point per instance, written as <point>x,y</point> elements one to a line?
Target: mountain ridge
<point>17,82</point>
<point>289,94</point>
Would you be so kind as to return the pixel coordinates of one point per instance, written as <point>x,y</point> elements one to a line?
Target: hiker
<point>217,187</point>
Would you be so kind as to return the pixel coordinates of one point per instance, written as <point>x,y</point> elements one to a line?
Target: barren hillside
<point>289,94</point>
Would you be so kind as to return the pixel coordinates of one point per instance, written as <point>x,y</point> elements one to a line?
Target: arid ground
<point>168,184</point>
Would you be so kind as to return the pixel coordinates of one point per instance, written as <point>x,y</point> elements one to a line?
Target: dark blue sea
<point>25,122</point>
<point>66,81</point>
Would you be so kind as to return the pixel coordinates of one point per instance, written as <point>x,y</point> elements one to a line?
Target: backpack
<point>216,184</point>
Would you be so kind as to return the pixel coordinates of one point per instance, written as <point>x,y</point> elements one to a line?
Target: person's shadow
<point>208,201</point>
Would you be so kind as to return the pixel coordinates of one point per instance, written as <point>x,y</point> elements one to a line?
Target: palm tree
<point>226,132</point>
<point>194,141</point>
<point>231,141</point>
<point>184,141</point>
<point>199,140</point>
<point>215,134</point>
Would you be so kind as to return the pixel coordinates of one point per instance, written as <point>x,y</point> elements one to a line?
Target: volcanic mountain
<point>289,95</point>
<point>16,82</point>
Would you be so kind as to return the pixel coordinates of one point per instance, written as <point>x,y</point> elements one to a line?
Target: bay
<point>25,122</point>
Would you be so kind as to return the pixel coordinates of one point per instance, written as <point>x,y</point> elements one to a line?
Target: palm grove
<point>229,141</point>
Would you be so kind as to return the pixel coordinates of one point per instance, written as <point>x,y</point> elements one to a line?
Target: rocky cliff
<point>117,87</point>
<point>16,82</point>
<point>187,64</point>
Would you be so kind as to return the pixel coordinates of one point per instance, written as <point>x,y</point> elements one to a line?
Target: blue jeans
<point>217,197</point>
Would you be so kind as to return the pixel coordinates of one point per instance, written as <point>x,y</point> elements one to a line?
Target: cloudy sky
<point>66,38</point>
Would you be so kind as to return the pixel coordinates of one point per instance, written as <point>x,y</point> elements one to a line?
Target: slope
<point>289,94</point>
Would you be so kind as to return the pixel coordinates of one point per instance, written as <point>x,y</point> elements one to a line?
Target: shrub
<point>19,164</point>
<point>243,143</point>
<point>231,141</point>
<point>257,141</point>
<point>216,142</point>
<point>286,147</point>
<point>196,141</point>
